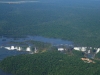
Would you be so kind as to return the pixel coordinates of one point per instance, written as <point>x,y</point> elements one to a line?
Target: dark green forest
<point>72,20</point>
<point>69,20</point>
<point>49,63</point>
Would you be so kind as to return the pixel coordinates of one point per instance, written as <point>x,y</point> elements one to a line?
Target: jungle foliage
<point>76,21</point>
<point>49,63</point>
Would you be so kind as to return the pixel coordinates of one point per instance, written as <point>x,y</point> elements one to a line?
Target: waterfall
<point>28,49</point>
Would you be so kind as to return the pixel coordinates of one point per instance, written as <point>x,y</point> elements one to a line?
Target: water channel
<point>5,53</point>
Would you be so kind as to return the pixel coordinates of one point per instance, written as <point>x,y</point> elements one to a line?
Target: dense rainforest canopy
<point>73,20</point>
<point>76,21</point>
<point>49,63</point>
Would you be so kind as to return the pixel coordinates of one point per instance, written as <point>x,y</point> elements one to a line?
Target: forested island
<point>49,63</point>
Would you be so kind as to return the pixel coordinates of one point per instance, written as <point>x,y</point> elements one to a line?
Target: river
<point>5,53</point>
<point>53,41</point>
